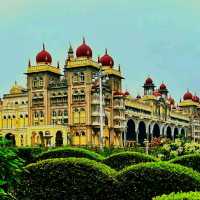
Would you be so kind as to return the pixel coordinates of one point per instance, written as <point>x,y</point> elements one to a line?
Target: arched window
<point>54,113</point>
<point>75,77</point>
<point>82,115</point>
<point>77,133</point>
<point>36,115</point>
<point>60,113</point>
<point>41,82</point>
<point>41,114</point>
<point>82,133</point>
<point>82,77</point>
<point>35,82</point>
<point>65,112</point>
<point>76,117</point>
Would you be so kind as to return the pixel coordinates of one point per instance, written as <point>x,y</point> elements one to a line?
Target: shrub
<point>28,153</point>
<point>180,196</point>
<point>192,160</point>
<point>66,178</point>
<point>4,196</point>
<point>120,160</point>
<point>10,165</point>
<point>147,180</point>
<point>69,152</point>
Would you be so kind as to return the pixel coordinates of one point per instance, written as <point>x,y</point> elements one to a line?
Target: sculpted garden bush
<point>120,160</point>
<point>67,178</point>
<point>69,152</point>
<point>147,180</point>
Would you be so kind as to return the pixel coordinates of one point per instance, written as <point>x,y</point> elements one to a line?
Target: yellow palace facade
<point>56,108</point>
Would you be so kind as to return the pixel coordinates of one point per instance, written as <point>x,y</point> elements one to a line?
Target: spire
<point>119,68</point>
<point>58,64</point>
<point>83,40</point>
<point>70,50</point>
<point>106,51</point>
<point>29,63</point>
<point>98,59</point>
<point>15,82</point>
<point>43,47</point>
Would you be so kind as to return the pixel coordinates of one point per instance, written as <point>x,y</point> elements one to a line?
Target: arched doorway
<point>33,138</point>
<point>142,132</point>
<point>11,138</point>
<point>59,139</point>
<point>41,138</point>
<point>131,134</point>
<point>169,132</point>
<point>156,131</point>
<point>175,133</point>
<point>183,133</point>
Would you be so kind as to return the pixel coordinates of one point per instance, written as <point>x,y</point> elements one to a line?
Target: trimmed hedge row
<point>192,160</point>
<point>67,178</point>
<point>28,154</point>
<point>180,196</point>
<point>120,160</point>
<point>69,152</point>
<point>147,180</point>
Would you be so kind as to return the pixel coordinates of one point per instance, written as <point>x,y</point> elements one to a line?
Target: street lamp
<point>101,77</point>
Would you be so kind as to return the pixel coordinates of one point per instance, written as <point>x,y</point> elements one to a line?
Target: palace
<point>56,108</point>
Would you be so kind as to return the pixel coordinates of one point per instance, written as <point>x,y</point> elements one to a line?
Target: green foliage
<point>10,166</point>
<point>4,142</point>
<point>192,160</point>
<point>180,196</point>
<point>147,180</point>
<point>28,153</point>
<point>70,152</point>
<point>67,178</point>
<point>5,196</point>
<point>120,160</point>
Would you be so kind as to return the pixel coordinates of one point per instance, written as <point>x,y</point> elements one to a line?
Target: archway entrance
<point>175,133</point>
<point>131,134</point>
<point>156,131</point>
<point>142,132</point>
<point>59,139</point>
<point>182,133</point>
<point>11,138</point>
<point>169,132</point>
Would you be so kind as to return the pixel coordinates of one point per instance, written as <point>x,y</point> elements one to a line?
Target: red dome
<point>126,93</point>
<point>84,50</point>
<point>156,93</point>
<point>195,98</point>
<point>163,86</point>
<point>106,60</point>
<point>148,81</point>
<point>43,56</point>
<point>187,96</point>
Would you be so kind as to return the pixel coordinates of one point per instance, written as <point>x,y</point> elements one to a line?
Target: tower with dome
<point>60,105</point>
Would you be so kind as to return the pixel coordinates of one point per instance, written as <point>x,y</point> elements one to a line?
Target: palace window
<point>54,113</point>
<point>76,118</point>
<point>65,112</point>
<point>41,82</point>
<point>41,114</point>
<point>82,77</point>
<point>82,115</point>
<point>75,77</point>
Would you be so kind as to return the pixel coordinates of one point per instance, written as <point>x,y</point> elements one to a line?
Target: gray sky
<point>160,38</point>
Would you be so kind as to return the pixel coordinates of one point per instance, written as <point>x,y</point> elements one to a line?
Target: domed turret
<point>44,57</point>
<point>106,60</point>
<point>187,96</point>
<point>84,50</point>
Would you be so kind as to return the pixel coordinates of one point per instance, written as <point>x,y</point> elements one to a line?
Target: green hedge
<point>120,160</point>
<point>69,152</point>
<point>147,180</point>
<point>66,178</point>
<point>192,160</point>
<point>28,153</point>
<point>180,196</point>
